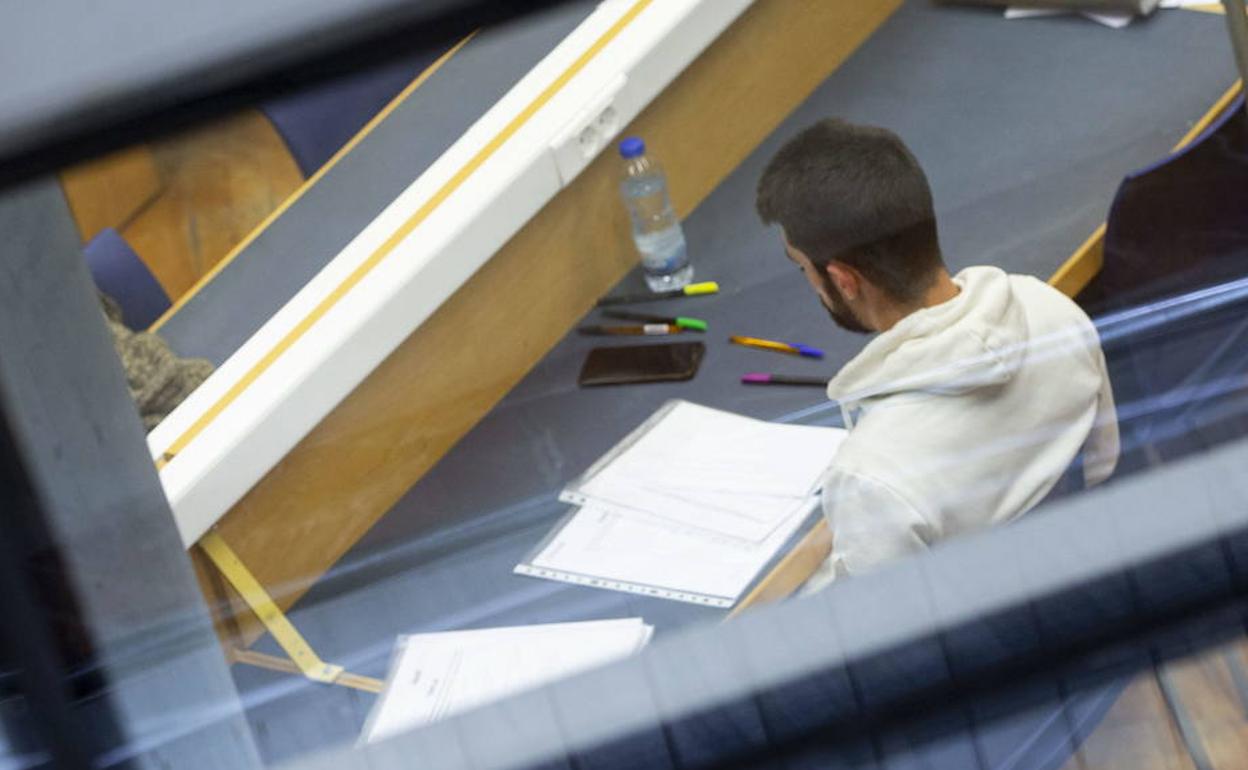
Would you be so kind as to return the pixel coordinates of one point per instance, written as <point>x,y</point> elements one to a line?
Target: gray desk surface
<point>286,255</point>
<point>1025,129</point>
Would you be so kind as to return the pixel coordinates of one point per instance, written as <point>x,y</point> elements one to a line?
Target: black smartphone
<point>641,363</point>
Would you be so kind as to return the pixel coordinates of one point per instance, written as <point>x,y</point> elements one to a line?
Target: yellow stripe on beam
<point>394,103</point>
<point>423,213</point>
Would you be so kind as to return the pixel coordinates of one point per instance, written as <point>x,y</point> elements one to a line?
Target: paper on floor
<point>433,676</point>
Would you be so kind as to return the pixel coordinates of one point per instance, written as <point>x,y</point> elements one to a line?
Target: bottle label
<point>663,251</point>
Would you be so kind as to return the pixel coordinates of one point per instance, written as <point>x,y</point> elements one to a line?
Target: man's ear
<point>846,279</point>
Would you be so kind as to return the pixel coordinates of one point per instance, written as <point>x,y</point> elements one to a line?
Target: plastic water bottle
<point>656,230</point>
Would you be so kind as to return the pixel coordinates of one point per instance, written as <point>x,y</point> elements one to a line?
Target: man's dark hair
<point>856,195</point>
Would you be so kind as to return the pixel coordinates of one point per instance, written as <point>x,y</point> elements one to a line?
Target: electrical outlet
<point>589,141</point>
<point>589,132</point>
<point>608,121</point>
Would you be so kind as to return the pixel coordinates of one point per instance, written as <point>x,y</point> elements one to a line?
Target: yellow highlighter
<point>692,290</point>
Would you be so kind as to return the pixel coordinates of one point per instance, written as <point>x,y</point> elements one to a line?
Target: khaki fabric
<point>159,380</point>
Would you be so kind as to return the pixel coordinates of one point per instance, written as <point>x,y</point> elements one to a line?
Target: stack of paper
<point>433,676</point>
<point>1211,6</point>
<point>1114,19</point>
<point>691,506</point>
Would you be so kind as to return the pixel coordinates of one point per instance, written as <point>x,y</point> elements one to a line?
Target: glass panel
<point>949,295</point>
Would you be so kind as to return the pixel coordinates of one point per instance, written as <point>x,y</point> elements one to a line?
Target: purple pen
<point>763,378</point>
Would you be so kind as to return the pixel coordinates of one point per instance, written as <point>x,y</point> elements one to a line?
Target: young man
<point>980,390</point>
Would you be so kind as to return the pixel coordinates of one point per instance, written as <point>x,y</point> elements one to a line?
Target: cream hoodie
<point>964,415</point>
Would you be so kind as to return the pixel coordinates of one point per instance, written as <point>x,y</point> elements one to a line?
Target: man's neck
<point>941,291</point>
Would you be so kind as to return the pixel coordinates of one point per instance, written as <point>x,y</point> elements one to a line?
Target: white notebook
<point>708,469</point>
<point>691,506</point>
<point>597,548</point>
<point>433,676</point>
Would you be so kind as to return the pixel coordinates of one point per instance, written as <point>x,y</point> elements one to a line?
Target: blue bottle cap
<point>632,147</point>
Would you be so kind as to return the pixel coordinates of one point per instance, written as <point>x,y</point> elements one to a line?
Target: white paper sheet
<point>606,550</point>
<point>743,517</point>
<point>717,471</point>
<point>1109,19</point>
<point>433,676</point>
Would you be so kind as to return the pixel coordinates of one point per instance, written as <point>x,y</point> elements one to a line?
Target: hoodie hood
<point>977,339</point>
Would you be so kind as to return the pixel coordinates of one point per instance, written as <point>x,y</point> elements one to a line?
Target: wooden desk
<point>458,449</point>
<point>110,191</point>
<point>360,460</point>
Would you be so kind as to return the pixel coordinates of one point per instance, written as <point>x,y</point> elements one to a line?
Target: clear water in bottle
<point>656,230</point>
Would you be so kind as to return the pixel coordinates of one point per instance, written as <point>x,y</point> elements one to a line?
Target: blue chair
<point>119,273</point>
<point>1175,332</point>
<point>1175,283</point>
<point>316,123</point>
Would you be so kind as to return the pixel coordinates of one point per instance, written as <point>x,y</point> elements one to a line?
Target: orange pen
<point>780,347</point>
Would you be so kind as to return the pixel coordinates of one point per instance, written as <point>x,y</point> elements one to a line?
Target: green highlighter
<point>690,324</point>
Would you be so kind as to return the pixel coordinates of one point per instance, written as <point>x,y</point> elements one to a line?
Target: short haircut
<point>855,195</point>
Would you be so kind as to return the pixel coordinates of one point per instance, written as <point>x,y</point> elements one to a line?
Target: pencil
<point>780,347</point>
<point>646,329</point>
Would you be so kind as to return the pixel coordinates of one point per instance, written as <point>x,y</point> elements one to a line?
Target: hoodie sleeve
<point>870,523</point>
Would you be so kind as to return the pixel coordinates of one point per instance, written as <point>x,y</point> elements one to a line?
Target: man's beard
<point>841,314</point>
